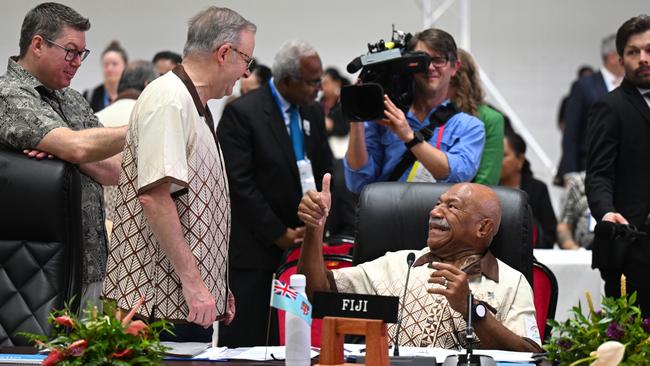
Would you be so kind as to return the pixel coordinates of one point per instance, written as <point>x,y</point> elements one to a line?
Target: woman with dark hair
<point>260,75</point>
<point>114,60</point>
<point>516,173</point>
<point>333,81</point>
<point>466,92</point>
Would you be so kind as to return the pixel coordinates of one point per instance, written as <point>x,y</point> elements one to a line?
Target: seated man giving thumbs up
<point>455,260</point>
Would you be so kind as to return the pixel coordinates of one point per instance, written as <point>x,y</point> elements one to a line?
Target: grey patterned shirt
<point>575,211</point>
<point>28,112</point>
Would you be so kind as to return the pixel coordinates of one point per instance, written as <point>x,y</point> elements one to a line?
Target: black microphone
<point>409,261</point>
<point>354,65</point>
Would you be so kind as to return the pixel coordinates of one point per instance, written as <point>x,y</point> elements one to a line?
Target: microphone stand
<point>469,358</point>
<point>409,261</point>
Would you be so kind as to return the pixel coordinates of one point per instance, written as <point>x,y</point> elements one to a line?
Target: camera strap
<point>437,119</point>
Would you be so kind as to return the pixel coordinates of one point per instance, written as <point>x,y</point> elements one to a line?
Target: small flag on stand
<point>285,298</point>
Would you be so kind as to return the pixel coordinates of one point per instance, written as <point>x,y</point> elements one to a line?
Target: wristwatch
<point>479,311</point>
<point>418,138</point>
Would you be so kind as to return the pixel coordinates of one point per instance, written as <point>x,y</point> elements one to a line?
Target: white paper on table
<point>355,350</point>
<point>185,349</point>
<point>263,353</point>
<point>506,356</point>
<point>213,354</point>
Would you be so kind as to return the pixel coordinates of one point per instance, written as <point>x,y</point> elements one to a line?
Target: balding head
<point>464,221</point>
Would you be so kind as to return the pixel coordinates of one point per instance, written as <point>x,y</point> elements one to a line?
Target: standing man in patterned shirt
<point>42,116</point>
<point>172,226</point>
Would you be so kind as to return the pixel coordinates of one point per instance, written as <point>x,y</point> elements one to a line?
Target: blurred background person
<point>576,226</point>
<point>516,173</point>
<point>583,71</point>
<point>584,93</point>
<point>260,75</point>
<point>114,60</point>
<point>333,81</point>
<point>136,76</point>
<point>165,61</point>
<point>466,92</point>
<point>336,125</point>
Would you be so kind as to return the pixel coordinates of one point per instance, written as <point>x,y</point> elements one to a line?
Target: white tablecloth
<point>572,268</point>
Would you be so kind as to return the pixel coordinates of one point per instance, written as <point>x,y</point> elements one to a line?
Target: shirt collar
<point>485,264</point>
<point>16,71</point>
<point>411,115</point>
<point>611,81</point>
<point>283,102</point>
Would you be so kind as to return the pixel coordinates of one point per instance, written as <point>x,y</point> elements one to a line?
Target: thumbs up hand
<point>315,206</point>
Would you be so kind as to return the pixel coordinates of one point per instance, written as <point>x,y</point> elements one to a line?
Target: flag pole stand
<point>334,330</point>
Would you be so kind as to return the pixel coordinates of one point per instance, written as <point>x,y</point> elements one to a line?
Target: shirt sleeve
<point>358,279</point>
<point>369,173</point>
<point>25,119</point>
<point>161,149</point>
<point>464,148</point>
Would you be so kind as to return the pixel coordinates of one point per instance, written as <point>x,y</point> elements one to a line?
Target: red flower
<point>124,353</point>
<point>64,320</point>
<point>77,347</point>
<point>53,358</point>
<point>136,327</point>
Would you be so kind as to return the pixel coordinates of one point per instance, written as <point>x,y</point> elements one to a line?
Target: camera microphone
<point>355,65</point>
<point>409,261</point>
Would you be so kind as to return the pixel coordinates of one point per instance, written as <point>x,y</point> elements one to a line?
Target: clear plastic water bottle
<point>297,332</point>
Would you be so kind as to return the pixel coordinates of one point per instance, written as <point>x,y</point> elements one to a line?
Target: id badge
<point>307,180</point>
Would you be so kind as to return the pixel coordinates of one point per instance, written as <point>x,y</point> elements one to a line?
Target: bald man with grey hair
<point>275,143</point>
<point>455,260</point>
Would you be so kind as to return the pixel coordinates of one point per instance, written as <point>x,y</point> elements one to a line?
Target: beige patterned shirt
<point>429,321</point>
<point>169,140</point>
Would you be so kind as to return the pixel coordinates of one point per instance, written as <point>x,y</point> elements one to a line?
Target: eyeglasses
<point>71,53</point>
<point>439,61</point>
<point>247,59</point>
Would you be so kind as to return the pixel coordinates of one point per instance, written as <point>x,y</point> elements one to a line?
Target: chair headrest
<point>395,215</point>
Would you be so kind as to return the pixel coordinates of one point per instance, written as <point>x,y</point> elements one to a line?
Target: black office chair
<point>40,243</point>
<point>394,216</point>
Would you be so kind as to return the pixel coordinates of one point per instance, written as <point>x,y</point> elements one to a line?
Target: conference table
<point>574,274</point>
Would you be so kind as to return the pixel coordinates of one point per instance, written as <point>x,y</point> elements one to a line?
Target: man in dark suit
<point>618,181</point>
<point>275,148</point>
<point>584,93</point>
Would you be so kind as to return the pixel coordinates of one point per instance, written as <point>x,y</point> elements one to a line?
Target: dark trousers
<point>252,291</point>
<point>188,333</point>
<point>185,332</point>
<point>637,273</point>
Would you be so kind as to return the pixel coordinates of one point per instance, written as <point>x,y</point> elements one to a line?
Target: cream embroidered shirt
<point>429,321</point>
<point>169,141</point>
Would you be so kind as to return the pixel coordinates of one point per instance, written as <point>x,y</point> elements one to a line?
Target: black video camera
<point>611,243</point>
<point>387,68</point>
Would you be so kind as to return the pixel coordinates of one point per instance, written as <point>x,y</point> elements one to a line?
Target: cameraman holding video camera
<point>451,149</point>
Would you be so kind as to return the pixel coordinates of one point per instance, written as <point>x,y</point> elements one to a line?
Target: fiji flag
<point>285,298</point>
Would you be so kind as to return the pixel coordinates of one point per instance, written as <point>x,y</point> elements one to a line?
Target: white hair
<point>287,60</point>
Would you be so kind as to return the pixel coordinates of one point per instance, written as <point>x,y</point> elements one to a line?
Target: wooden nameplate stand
<point>334,330</point>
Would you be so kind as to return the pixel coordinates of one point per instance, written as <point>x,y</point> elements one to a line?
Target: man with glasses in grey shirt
<point>42,116</point>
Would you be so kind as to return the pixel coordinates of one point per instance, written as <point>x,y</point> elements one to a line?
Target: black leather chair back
<point>394,216</point>
<point>40,242</point>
